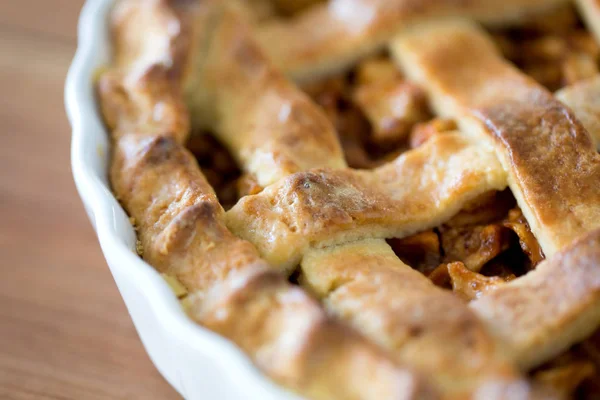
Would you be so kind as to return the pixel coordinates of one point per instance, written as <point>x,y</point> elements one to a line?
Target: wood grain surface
<point>64,330</point>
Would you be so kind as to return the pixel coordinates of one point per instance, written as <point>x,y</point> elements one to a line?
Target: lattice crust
<point>179,221</point>
<point>233,291</point>
<point>323,208</point>
<point>419,190</point>
<point>422,325</point>
<point>233,89</point>
<point>350,29</point>
<point>173,56</point>
<point>553,168</point>
<point>549,309</point>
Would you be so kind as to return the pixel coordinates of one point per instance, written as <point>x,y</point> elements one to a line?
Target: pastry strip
<point>269,125</point>
<point>422,325</point>
<point>556,305</point>
<point>350,29</point>
<point>543,313</point>
<point>317,260</point>
<point>553,168</point>
<point>420,190</point>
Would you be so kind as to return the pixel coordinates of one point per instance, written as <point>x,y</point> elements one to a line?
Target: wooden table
<point>64,330</point>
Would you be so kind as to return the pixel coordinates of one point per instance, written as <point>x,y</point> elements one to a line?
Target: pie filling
<point>218,166</point>
<point>555,49</point>
<point>378,115</point>
<point>261,10</point>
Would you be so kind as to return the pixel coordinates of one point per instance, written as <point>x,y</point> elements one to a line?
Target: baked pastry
<point>491,212</point>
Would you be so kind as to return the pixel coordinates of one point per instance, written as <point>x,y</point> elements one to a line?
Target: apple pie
<point>373,199</point>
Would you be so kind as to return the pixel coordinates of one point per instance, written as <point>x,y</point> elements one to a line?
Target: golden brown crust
<point>177,213</point>
<point>350,29</point>
<point>207,53</point>
<point>179,222</point>
<point>551,308</point>
<point>142,91</point>
<point>295,343</point>
<point>200,51</point>
<point>148,100</point>
<point>422,325</point>
<point>233,291</point>
<point>137,23</point>
<point>419,190</point>
<point>268,124</point>
<point>452,330</point>
<point>552,166</point>
<point>286,219</point>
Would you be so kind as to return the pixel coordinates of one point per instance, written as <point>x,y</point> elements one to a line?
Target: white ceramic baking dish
<point>197,363</point>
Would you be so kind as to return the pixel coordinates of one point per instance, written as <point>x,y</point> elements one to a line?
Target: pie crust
<point>355,321</point>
